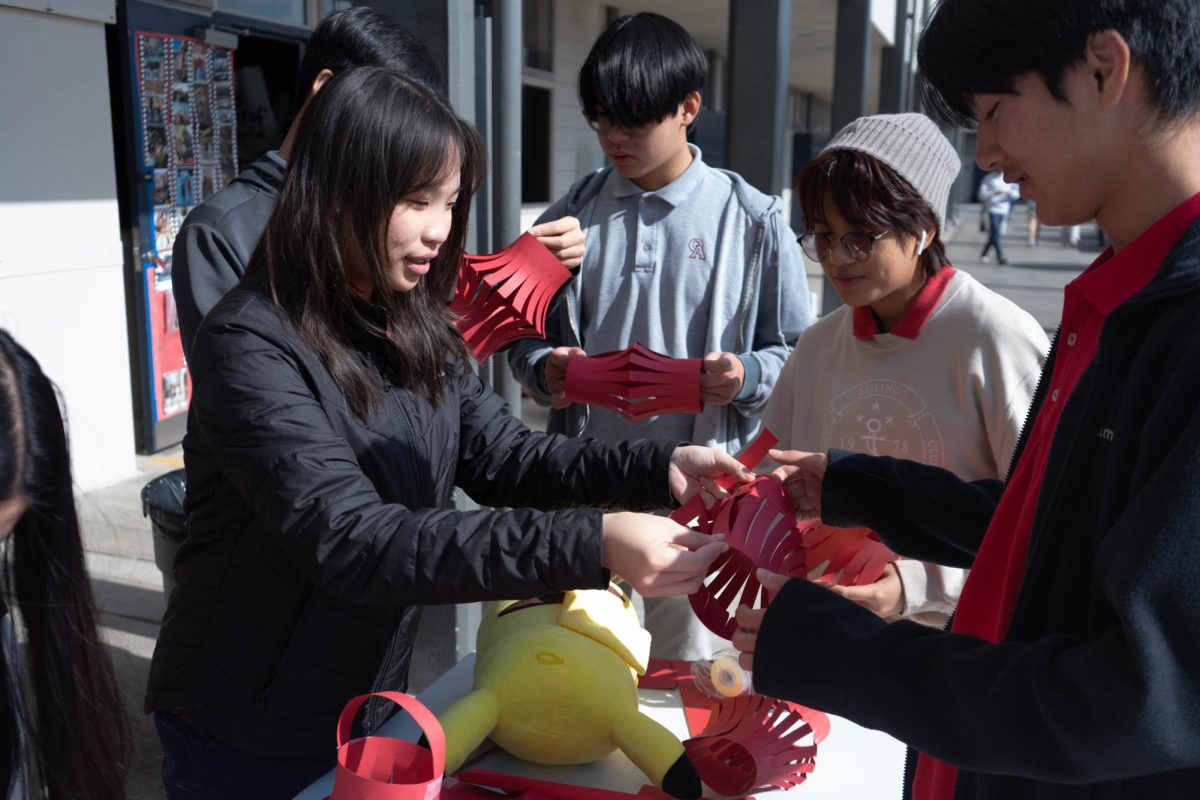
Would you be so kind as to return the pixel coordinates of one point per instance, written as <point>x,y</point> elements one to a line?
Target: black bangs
<point>981,46</point>
<point>972,48</point>
<point>640,70</point>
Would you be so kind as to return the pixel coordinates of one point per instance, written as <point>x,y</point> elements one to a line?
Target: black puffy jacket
<point>312,535</point>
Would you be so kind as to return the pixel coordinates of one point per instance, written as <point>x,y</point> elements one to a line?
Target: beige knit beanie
<point>912,145</point>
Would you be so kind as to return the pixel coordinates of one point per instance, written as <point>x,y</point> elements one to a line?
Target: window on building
<point>538,16</point>
<point>535,144</point>
<point>285,12</point>
<point>328,6</point>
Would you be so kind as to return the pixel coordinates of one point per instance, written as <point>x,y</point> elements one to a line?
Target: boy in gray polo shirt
<point>687,260</point>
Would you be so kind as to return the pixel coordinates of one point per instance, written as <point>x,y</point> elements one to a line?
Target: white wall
<point>61,285</point>
<point>883,18</point>
<point>576,152</point>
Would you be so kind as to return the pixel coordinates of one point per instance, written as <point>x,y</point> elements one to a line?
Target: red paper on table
<point>844,556</point>
<point>503,297</point>
<point>756,743</point>
<point>635,382</point>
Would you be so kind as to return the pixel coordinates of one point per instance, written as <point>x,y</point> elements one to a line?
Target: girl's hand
<point>564,238</point>
<point>657,556</point>
<point>693,469</point>
<point>556,374</point>
<point>803,475</point>
<point>750,620</point>
<point>884,597</point>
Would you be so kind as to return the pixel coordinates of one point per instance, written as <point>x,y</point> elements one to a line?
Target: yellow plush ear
<point>608,618</point>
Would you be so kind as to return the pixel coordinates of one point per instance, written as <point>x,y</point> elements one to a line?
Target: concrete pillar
<point>852,61</point>
<point>507,58</point>
<point>756,125</point>
<point>896,69</point>
<point>852,67</point>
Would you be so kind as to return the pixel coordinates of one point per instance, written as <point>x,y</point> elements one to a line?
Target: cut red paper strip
<point>748,458</point>
<point>757,743</point>
<point>844,556</point>
<point>760,528</point>
<point>504,296</point>
<point>635,382</point>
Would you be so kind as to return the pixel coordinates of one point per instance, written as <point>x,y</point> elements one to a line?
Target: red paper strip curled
<point>503,297</point>
<point>757,743</point>
<point>749,458</point>
<point>635,382</point>
<point>844,556</point>
<point>760,529</point>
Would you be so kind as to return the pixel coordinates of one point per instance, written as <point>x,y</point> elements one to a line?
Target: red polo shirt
<point>986,606</point>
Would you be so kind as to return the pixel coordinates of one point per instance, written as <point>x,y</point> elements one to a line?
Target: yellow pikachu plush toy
<point>556,683</point>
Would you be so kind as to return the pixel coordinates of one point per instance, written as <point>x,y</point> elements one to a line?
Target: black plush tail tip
<point>682,780</point>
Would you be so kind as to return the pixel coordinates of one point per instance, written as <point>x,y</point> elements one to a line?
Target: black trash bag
<point>162,501</point>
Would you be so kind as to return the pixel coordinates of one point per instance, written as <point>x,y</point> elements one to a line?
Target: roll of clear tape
<point>728,677</point>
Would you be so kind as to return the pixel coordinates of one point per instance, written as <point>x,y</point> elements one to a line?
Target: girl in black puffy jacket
<point>333,413</point>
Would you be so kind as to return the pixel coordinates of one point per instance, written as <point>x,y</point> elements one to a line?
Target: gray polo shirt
<point>704,264</point>
<point>650,279</point>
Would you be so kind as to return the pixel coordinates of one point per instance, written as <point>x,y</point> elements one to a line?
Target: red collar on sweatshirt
<point>988,598</point>
<point>915,316</point>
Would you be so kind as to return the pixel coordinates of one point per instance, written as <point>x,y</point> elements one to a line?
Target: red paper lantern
<point>844,556</point>
<point>754,743</point>
<point>760,529</point>
<point>503,297</point>
<point>637,383</point>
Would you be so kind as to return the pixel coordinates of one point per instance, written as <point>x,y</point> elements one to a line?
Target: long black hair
<point>73,722</point>
<point>371,137</point>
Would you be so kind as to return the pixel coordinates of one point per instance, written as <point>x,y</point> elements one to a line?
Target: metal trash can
<point>162,502</point>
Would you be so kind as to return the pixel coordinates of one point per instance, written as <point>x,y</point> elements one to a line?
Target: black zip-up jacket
<point>312,536</point>
<point>1095,690</point>
<point>215,242</point>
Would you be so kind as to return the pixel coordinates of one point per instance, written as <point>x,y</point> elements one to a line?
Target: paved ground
<point>118,538</point>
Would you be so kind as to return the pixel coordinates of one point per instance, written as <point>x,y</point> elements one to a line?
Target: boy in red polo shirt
<point>1072,668</point>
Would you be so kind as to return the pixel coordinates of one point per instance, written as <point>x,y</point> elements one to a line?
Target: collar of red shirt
<point>1115,277</point>
<point>915,316</point>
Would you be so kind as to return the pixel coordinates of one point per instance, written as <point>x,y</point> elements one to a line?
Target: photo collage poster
<point>189,152</point>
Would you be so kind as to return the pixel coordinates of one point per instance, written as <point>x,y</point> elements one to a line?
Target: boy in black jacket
<point>1072,668</point>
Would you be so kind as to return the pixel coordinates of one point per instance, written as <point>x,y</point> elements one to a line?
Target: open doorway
<point>265,72</point>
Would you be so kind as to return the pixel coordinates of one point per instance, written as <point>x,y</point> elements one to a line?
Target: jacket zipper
<point>908,777</point>
<point>729,418</point>
<point>585,414</point>
<point>1035,404</point>
<point>370,721</point>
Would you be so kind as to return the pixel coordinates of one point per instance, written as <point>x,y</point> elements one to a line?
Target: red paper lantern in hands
<point>503,297</point>
<point>637,383</point>
<point>845,556</point>
<point>760,529</point>
<point>755,743</point>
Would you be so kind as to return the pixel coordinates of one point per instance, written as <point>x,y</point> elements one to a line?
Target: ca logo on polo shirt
<point>696,249</point>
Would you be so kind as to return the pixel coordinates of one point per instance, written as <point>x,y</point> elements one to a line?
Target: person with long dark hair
<point>63,731</point>
<point>334,410</point>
